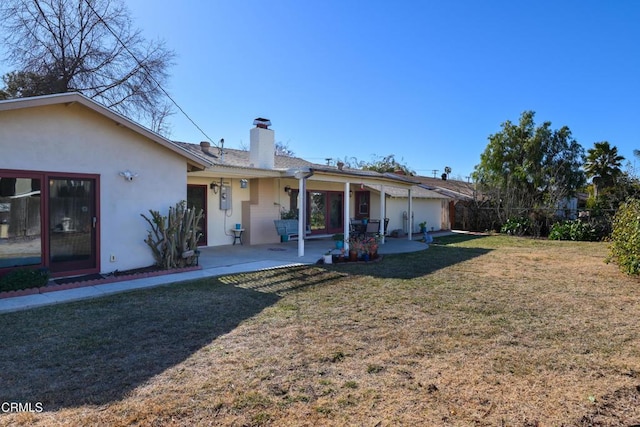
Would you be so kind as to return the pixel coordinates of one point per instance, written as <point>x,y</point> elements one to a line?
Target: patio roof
<point>417,192</point>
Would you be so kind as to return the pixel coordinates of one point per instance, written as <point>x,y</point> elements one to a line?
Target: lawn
<point>474,331</point>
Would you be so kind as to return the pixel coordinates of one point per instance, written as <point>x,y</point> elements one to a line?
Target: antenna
<point>435,172</point>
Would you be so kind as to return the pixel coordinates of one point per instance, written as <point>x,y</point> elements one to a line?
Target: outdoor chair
<point>373,227</point>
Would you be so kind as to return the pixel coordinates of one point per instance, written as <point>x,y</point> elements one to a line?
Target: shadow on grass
<point>97,351</point>
<point>416,264</point>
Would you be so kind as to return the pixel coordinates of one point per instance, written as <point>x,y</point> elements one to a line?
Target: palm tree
<point>602,165</point>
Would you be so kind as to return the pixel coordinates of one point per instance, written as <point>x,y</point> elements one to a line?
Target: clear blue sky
<point>427,81</point>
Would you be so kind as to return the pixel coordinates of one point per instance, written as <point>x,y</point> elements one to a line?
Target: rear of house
<point>74,179</point>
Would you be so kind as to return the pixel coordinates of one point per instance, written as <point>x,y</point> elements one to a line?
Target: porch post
<point>302,214</point>
<point>410,234</point>
<point>347,219</point>
<point>383,209</point>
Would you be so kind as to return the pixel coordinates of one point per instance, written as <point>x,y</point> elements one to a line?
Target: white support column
<point>383,209</point>
<point>347,219</point>
<point>302,214</point>
<point>410,233</point>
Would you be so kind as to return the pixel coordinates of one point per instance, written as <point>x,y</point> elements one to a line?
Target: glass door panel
<point>72,212</point>
<point>336,212</point>
<point>20,225</point>
<point>317,211</point>
<point>197,198</point>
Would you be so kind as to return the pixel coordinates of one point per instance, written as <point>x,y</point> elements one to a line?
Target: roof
<point>77,98</point>
<point>459,190</point>
<point>233,158</point>
<point>239,158</point>
<point>417,192</point>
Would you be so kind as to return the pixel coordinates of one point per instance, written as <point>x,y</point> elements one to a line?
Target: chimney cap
<point>262,123</point>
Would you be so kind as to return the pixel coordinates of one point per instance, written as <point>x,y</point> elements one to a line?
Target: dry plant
<point>490,331</point>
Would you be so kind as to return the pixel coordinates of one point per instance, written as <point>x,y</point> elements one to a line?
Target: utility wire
<point>148,73</point>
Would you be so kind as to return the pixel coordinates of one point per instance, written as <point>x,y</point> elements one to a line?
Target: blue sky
<point>427,81</point>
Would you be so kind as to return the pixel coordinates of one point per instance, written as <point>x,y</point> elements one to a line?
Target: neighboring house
<point>463,203</point>
<point>74,179</point>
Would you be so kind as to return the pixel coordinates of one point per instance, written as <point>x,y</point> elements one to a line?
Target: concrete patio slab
<point>215,261</point>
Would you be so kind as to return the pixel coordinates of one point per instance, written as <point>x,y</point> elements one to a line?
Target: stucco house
<point>75,177</point>
<point>253,187</point>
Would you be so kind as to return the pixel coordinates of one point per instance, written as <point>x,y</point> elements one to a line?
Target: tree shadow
<point>95,352</point>
<point>440,254</point>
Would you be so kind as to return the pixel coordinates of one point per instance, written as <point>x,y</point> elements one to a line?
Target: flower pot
<point>328,259</point>
<point>353,256</point>
<point>339,244</point>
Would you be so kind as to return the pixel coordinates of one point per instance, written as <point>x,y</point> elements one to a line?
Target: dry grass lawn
<point>487,331</point>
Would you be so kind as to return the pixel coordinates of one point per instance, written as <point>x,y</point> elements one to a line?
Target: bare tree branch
<point>89,46</point>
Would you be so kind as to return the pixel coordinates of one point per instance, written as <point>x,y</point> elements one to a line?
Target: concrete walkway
<point>215,261</point>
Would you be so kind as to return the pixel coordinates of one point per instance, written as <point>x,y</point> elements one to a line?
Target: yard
<point>484,331</point>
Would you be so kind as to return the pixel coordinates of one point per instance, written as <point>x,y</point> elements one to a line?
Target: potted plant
<point>355,247</point>
<point>339,239</point>
<point>370,247</point>
<point>423,226</point>
<point>327,257</point>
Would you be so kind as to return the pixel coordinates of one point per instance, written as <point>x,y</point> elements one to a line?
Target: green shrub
<point>517,226</point>
<point>625,237</point>
<point>573,230</point>
<point>24,278</point>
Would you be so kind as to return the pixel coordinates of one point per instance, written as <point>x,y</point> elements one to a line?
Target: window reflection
<point>20,233</point>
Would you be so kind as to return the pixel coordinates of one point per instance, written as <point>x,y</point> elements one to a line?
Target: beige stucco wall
<point>74,139</point>
<point>220,221</point>
<point>429,210</point>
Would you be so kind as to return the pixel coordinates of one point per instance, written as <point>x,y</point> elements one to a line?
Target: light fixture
<point>128,175</point>
<point>350,193</point>
<point>243,183</point>
<point>287,189</point>
<point>214,186</point>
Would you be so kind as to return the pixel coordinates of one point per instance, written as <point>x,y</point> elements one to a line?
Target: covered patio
<point>286,253</point>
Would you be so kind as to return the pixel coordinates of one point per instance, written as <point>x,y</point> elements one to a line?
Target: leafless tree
<point>89,46</point>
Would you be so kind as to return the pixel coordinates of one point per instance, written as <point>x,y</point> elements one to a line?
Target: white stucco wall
<point>429,210</point>
<point>74,139</point>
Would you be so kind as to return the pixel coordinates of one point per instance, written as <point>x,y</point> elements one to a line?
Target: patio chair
<point>373,227</point>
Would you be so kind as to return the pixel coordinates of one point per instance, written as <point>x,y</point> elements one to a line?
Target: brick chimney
<point>262,145</point>
<point>205,146</point>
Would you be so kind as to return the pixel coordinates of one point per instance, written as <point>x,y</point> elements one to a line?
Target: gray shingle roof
<point>240,159</point>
